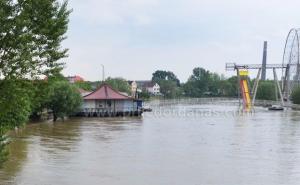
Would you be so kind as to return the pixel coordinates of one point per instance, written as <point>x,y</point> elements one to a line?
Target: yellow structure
<point>244,73</point>
<point>245,89</point>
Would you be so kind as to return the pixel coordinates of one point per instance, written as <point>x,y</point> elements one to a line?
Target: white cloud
<point>112,11</point>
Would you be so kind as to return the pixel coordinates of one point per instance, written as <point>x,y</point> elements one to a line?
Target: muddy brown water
<point>178,144</point>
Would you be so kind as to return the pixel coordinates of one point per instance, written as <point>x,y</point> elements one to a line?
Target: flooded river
<point>183,143</point>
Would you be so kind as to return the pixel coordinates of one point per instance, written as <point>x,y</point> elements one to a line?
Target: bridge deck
<point>232,66</point>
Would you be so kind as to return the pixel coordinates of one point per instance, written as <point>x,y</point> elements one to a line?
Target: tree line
<point>201,83</point>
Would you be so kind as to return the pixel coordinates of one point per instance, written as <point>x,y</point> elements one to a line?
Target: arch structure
<point>291,58</point>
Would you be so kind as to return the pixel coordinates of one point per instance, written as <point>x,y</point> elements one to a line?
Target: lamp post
<point>103,73</point>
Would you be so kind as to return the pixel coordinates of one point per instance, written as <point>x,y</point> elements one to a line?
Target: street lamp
<point>103,73</point>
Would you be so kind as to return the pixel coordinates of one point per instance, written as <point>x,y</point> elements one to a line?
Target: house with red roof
<point>106,101</point>
<point>74,79</point>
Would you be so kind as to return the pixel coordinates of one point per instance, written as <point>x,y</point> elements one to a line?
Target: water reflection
<point>18,151</point>
<point>42,147</point>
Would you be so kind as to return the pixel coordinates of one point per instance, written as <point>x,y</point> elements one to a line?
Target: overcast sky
<point>133,38</point>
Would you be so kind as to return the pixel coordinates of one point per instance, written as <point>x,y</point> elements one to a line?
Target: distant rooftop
<point>145,83</point>
<point>76,78</point>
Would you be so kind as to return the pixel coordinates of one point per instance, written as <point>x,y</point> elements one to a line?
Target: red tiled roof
<point>105,92</point>
<point>75,78</point>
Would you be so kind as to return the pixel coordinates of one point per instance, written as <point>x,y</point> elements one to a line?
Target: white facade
<point>110,105</point>
<point>133,87</point>
<point>155,90</point>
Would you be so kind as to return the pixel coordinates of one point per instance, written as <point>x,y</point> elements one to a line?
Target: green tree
<point>31,34</point>
<point>119,84</point>
<point>296,96</point>
<point>169,88</point>
<point>214,84</point>
<point>63,99</point>
<point>168,82</point>
<point>266,90</point>
<point>230,86</point>
<point>17,104</point>
<point>204,83</point>
<point>15,108</point>
<point>39,98</point>
<point>40,93</point>
<point>84,85</point>
<point>198,83</point>
<point>159,76</point>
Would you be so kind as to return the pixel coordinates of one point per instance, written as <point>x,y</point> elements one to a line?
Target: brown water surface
<point>176,144</point>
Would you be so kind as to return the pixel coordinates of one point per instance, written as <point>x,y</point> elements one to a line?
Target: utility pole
<point>103,73</point>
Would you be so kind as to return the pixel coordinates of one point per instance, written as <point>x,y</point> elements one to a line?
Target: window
<point>108,103</point>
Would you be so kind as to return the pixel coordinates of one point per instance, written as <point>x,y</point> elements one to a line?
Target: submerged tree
<point>63,99</point>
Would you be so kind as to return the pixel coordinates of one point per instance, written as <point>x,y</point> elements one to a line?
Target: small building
<point>149,86</point>
<point>107,102</point>
<point>74,79</point>
<point>133,88</point>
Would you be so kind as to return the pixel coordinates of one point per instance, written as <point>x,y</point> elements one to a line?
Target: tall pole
<point>264,61</point>
<point>254,90</point>
<point>103,73</point>
<point>278,86</point>
<point>238,84</point>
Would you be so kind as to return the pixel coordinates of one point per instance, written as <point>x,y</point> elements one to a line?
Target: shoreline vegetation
<point>30,47</point>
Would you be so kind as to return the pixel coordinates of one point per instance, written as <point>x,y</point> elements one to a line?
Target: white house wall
<point>89,104</point>
<point>116,105</point>
<point>124,105</point>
